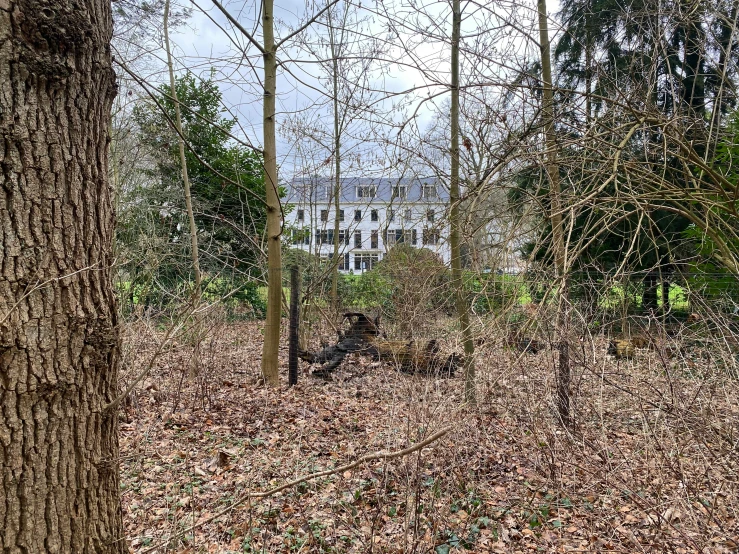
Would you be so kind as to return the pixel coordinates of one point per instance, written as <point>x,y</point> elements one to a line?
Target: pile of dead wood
<point>364,336</point>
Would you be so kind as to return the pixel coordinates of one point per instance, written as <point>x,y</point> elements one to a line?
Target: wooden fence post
<point>294,323</point>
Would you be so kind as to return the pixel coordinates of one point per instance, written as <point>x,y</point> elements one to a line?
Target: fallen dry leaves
<point>651,466</point>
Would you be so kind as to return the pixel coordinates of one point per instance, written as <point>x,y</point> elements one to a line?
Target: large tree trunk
<point>59,345</point>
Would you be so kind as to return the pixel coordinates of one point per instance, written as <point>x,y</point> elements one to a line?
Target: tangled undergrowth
<point>651,464</point>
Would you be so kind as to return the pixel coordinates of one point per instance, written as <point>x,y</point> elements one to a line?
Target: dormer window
<point>400,192</point>
<point>323,192</point>
<point>428,192</point>
<point>366,191</point>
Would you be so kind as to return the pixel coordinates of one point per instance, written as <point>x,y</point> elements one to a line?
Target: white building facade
<point>375,214</point>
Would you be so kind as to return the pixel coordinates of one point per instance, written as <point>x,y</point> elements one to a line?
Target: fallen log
<point>362,329</point>
<point>363,337</point>
<point>413,357</point>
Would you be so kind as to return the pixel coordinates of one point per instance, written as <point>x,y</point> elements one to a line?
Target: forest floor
<point>651,464</point>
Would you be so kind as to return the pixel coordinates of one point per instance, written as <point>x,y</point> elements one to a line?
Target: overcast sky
<point>209,40</point>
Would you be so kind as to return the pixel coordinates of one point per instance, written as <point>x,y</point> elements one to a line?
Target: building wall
<point>383,220</point>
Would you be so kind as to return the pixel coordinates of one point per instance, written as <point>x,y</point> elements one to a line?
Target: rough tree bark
<point>59,344</point>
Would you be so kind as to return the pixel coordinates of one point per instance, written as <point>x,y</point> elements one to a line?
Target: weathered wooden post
<point>292,363</point>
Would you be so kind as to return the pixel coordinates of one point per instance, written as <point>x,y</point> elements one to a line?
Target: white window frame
<point>323,192</point>
<point>366,191</point>
<point>406,237</point>
<point>369,258</point>
<point>400,192</point>
<point>429,192</point>
<point>430,233</point>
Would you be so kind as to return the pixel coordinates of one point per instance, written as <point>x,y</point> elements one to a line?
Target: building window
<point>431,237</point>
<point>358,215</point>
<point>430,216</point>
<point>301,236</point>
<point>341,215</point>
<point>344,263</point>
<point>323,192</point>
<point>301,215</point>
<point>408,214</point>
<point>400,192</point>
<point>391,215</point>
<point>400,236</point>
<point>344,237</point>
<point>374,216</point>
<point>366,191</point>
<point>374,240</point>
<point>357,239</point>
<point>428,192</point>
<point>324,215</point>
<point>325,236</point>
<point>365,262</point>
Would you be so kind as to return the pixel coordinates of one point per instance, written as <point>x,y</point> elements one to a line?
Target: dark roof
<point>303,190</point>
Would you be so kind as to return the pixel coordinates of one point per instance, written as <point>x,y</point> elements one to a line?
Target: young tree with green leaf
<point>226,183</point>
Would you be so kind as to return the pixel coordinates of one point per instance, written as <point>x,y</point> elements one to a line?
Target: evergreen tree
<point>227,188</point>
<point>637,65</point>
